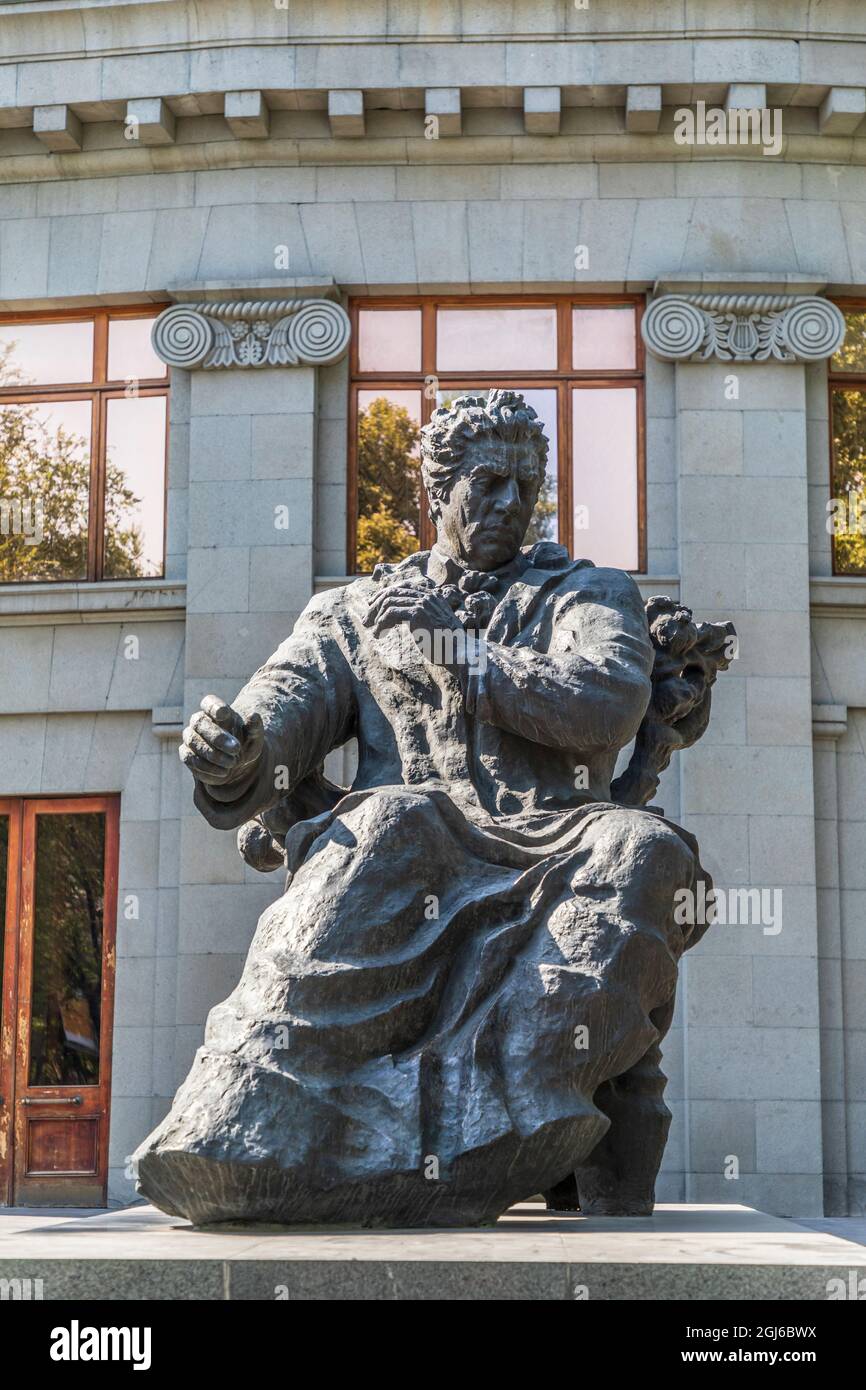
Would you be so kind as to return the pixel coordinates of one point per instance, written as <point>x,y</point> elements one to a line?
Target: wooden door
<point>10,863</point>
<point>60,975</point>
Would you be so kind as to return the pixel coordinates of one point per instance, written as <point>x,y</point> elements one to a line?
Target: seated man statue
<point>459,998</point>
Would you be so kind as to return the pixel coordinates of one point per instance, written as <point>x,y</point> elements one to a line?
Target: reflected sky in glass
<point>604,484</point>
<point>603,338</point>
<point>496,340</point>
<point>389,340</point>
<point>135,461</point>
<point>45,354</point>
<point>130,355</point>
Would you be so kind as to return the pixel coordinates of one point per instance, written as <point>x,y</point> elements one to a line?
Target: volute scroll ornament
<point>743,328</point>
<point>252,333</point>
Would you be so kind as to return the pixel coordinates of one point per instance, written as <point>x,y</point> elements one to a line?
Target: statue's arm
<point>590,689</point>
<point>304,696</point>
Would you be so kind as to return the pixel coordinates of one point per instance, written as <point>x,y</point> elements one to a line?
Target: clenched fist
<point>218,745</point>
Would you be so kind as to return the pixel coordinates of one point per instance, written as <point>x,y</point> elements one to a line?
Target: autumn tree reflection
<point>67,950</point>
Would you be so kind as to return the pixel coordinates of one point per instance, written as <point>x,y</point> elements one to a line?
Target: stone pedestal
<point>689,1254</point>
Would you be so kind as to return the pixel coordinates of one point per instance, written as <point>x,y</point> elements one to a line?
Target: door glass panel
<point>67,949</point>
<point>605,476</point>
<point>130,354</point>
<point>496,340</point>
<point>43,354</point>
<point>4,878</point>
<point>544,522</point>
<point>44,490</point>
<point>135,487</point>
<point>389,477</point>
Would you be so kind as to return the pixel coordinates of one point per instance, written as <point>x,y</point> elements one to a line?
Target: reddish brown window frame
<point>99,391</point>
<point>562,380</point>
<point>836,381</point>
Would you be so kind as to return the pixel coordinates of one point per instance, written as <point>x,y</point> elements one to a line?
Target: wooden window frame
<point>563,378</point>
<point>99,390</point>
<point>837,381</point>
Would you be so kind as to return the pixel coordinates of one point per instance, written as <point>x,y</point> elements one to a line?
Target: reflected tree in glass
<point>849,478</point>
<point>389,483</point>
<point>67,950</point>
<point>4,858</point>
<point>543,522</point>
<point>851,356</point>
<point>849,449</point>
<point>45,493</point>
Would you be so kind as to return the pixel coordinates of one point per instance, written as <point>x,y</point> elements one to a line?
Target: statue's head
<point>483,461</point>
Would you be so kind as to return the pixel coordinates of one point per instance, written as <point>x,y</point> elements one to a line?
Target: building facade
<point>245,248</point>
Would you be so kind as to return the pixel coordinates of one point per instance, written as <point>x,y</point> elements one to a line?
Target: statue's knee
<point>645,848</point>
<point>670,857</point>
<point>394,814</point>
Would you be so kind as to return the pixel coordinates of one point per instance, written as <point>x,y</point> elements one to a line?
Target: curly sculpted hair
<point>503,414</point>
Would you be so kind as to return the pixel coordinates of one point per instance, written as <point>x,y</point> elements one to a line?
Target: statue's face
<point>484,519</point>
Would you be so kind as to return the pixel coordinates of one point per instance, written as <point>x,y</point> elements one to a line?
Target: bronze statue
<point>459,999</point>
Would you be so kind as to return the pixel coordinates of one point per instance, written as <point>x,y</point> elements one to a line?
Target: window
<point>83,420</point>
<point>847,508</point>
<point>579,364</point>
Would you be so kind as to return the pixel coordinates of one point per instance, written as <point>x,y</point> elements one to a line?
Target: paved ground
<point>846,1227</point>
<point>682,1252</point>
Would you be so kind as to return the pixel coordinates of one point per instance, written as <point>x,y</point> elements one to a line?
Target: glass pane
<point>389,340</point>
<point>44,490</point>
<point>544,522</point>
<point>67,949</point>
<point>130,355</point>
<point>851,356</point>
<point>42,354</point>
<point>494,340</point>
<point>847,515</point>
<point>389,477</point>
<point>135,487</point>
<point>603,338</point>
<point>4,870</point>
<point>605,476</point>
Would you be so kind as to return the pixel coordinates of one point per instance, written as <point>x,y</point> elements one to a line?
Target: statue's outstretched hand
<point>219,745</point>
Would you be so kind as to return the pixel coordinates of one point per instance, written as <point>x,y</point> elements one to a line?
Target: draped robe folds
<point>474,942</point>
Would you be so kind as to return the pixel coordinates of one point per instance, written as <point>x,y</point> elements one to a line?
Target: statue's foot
<point>563,1196</point>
